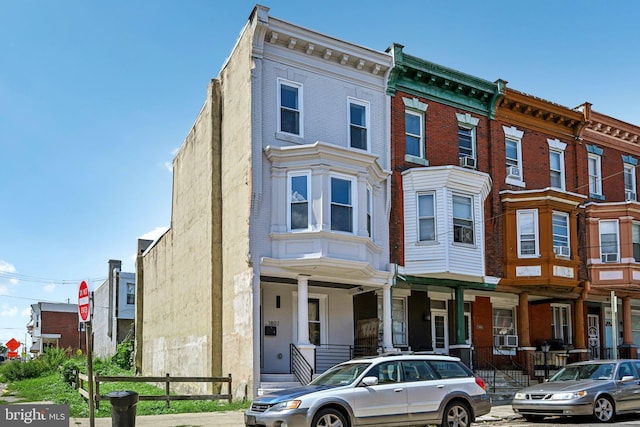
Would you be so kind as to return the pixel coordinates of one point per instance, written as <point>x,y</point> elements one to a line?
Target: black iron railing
<point>299,366</point>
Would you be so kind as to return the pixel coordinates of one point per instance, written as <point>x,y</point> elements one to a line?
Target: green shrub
<point>69,368</point>
<point>53,357</point>
<point>124,355</point>
<point>16,370</point>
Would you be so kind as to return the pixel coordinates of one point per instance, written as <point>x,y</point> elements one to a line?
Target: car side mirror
<point>369,381</point>
<point>627,378</point>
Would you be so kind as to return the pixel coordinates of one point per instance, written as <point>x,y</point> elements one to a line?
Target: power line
<point>35,279</point>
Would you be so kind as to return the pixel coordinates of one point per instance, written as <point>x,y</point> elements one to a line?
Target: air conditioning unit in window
<point>468,162</point>
<point>513,172</point>
<point>506,340</point>
<point>609,257</point>
<point>630,195</point>
<point>561,250</point>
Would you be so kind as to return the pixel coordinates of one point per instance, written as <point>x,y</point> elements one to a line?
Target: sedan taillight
<point>481,383</point>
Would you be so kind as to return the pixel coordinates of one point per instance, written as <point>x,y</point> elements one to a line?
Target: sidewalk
<point>236,419</point>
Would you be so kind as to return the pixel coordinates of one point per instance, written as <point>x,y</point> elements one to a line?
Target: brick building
<point>55,325</point>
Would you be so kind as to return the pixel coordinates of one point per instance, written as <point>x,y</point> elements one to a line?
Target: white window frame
<point>370,226</point>
<point>300,110</point>
<point>556,147</point>
<point>595,174</point>
<point>324,317</point>
<point>558,330</point>
<point>630,171</point>
<point>472,218</point>
<point>131,291</point>
<point>366,127</point>
<point>519,218</point>
<point>419,137</point>
<point>607,256</point>
<point>565,216</point>
<point>468,123</point>
<point>290,177</point>
<point>419,217</point>
<point>494,329</point>
<point>353,202</point>
<point>401,296</point>
<point>514,135</point>
<point>635,240</point>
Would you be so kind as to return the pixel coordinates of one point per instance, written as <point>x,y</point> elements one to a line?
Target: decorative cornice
<point>538,114</point>
<point>445,85</point>
<point>612,131</point>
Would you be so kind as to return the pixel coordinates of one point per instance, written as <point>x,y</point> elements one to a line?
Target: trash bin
<point>123,408</point>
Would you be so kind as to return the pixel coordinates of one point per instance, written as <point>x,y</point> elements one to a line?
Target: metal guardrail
<point>83,379</point>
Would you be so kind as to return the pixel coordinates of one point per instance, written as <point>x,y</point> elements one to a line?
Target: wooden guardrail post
<point>167,391</point>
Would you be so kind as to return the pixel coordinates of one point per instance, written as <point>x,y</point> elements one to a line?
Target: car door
<point>385,402</point>
<point>628,395</point>
<point>425,390</point>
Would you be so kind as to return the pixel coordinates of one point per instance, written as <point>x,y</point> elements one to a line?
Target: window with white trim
<point>467,139</point>
<point>527,224</point>
<point>595,174</point>
<point>504,328</point>
<point>463,226</point>
<point>556,163</point>
<point>635,238</point>
<point>358,124</point>
<point>560,228</point>
<point>299,206</point>
<point>370,211</point>
<point>609,247</point>
<point>290,107</point>
<point>630,182</point>
<point>426,218</point>
<point>561,322</point>
<point>414,136</point>
<point>131,293</point>
<point>342,207</point>
<point>513,155</point>
<point>399,321</point>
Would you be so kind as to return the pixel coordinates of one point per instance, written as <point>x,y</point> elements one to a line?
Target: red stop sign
<point>83,302</point>
<point>12,344</point>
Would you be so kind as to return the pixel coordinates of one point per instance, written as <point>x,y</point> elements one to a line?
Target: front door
<point>593,332</point>
<point>440,331</point>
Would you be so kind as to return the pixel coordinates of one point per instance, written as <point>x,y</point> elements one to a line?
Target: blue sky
<point>96,97</point>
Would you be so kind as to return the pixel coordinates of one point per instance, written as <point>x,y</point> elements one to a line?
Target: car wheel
<point>329,417</point>
<point>456,414</point>
<point>533,418</point>
<point>603,409</point>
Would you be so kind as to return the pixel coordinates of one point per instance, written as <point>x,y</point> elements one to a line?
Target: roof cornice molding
<point>446,85</point>
<point>275,32</point>
<point>613,132</point>
<point>535,113</point>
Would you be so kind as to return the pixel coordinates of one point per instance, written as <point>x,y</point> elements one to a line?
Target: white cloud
<point>168,166</point>
<point>49,288</point>
<point>5,267</point>
<point>26,312</point>
<point>4,290</point>
<point>8,311</point>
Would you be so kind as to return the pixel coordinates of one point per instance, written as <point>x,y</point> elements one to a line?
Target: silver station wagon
<point>602,388</point>
<point>389,390</point>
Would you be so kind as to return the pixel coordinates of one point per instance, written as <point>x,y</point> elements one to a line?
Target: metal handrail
<point>299,366</point>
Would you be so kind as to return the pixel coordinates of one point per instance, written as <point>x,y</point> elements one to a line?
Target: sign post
<point>84,313</point>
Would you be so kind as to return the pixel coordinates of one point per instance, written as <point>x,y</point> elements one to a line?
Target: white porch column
<point>387,332</point>
<point>303,311</point>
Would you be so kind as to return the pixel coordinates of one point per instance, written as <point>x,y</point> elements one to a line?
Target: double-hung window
<point>467,139</point>
<point>635,238</point>
<point>504,328</point>
<point>513,155</point>
<point>560,226</point>
<point>527,223</point>
<point>609,248</point>
<point>299,200</point>
<point>629,182</point>
<point>463,219</point>
<point>131,293</point>
<point>594,158</point>
<point>561,322</point>
<point>342,208</point>
<point>290,107</point>
<point>358,124</point>
<point>426,218</point>
<point>414,136</point>
<point>556,163</point>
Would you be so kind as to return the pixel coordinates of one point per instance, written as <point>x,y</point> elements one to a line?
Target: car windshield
<point>341,375</point>
<point>592,371</point>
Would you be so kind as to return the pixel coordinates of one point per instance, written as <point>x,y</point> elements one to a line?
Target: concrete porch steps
<point>275,382</point>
